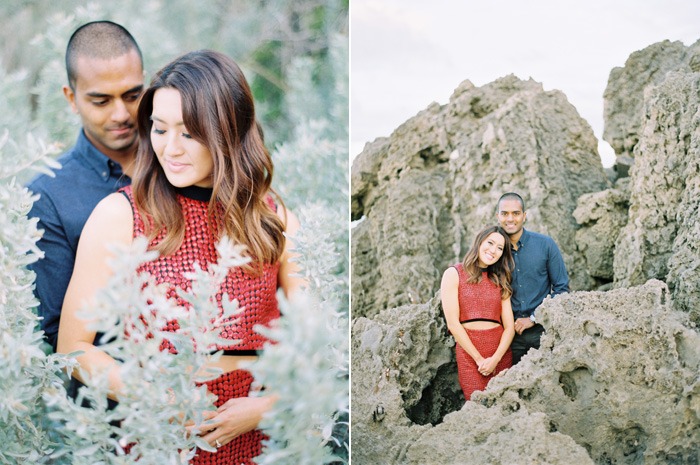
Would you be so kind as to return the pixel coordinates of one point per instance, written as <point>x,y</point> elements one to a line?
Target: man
<point>539,272</point>
<point>105,81</point>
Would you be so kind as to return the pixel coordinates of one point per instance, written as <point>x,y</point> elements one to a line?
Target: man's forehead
<point>129,57</point>
<point>509,205</point>
<point>126,67</point>
<point>111,77</point>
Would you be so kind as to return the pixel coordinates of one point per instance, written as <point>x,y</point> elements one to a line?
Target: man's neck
<point>126,158</point>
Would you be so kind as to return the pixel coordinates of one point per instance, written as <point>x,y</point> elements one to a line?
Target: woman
<point>476,300</point>
<point>202,171</point>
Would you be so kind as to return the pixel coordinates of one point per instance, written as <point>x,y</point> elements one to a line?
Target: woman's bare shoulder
<point>450,276</point>
<point>289,219</point>
<point>111,220</point>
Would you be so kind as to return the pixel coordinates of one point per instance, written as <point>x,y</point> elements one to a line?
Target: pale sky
<point>405,54</point>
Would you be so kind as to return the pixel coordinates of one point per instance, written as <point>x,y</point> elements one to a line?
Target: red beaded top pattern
<point>480,300</point>
<point>256,295</point>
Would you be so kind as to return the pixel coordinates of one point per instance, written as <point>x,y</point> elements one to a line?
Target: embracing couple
<point>181,162</point>
<point>490,298</point>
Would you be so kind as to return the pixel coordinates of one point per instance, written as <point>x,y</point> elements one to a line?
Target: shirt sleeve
<point>556,269</point>
<point>53,272</point>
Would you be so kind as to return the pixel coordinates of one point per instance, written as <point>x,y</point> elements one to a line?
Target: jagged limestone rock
<point>601,216</point>
<point>426,190</point>
<point>624,95</point>
<point>661,237</point>
<point>478,435</point>
<point>404,379</point>
<point>394,358</point>
<point>683,272</point>
<point>364,269</point>
<point>364,178</point>
<point>617,372</point>
<point>616,375</point>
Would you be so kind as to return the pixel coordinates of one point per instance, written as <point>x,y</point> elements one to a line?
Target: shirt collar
<point>98,161</point>
<point>524,238</point>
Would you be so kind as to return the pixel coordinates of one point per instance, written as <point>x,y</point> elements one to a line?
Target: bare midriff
<point>233,362</point>
<point>480,325</point>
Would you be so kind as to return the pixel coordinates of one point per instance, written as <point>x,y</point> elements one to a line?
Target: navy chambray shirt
<point>86,177</point>
<point>539,272</point>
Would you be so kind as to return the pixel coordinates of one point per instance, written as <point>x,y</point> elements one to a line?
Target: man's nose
<point>121,111</point>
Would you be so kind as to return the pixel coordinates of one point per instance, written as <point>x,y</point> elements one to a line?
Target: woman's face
<point>491,249</point>
<point>185,161</point>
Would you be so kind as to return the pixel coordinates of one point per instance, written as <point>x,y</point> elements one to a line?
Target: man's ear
<point>70,96</point>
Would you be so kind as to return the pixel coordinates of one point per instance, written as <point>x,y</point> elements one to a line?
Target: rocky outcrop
<point>477,435</point>
<point>615,380</point>
<point>425,191</point>
<point>395,357</point>
<point>625,93</point>
<point>661,237</point>
<point>601,215</point>
<point>404,381</point>
<point>617,372</point>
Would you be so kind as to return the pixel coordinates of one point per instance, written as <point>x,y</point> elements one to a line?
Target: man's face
<point>511,216</point>
<point>106,97</point>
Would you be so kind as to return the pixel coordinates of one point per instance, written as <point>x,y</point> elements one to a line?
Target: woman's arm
<point>450,306</point>
<point>110,223</point>
<point>289,284</point>
<point>506,338</point>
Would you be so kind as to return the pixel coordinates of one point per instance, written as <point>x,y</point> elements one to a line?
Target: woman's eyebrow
<point>155,118</point>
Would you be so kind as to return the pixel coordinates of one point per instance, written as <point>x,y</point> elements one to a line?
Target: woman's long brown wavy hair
<point>218,112</point>
<point>500,273</point>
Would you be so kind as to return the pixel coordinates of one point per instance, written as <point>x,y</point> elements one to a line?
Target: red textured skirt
<point>244,448</point>
<point>486,342</point>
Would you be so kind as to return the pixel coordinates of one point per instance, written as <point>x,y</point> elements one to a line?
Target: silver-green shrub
<point>308,369</point>
<point>161,390</point>
<point>26,372</point>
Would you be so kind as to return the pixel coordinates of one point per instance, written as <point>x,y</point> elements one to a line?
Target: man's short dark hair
<point>98,39</point>
<point>511,196</point>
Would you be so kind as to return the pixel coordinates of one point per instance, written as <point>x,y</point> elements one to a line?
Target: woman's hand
<point>488,365</point>
<point>235,417</point>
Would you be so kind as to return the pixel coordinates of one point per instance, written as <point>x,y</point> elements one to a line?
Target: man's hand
<point>521,324</point>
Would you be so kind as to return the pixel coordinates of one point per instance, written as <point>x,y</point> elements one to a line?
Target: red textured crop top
<point>478,301</point>
<point>256,295</point>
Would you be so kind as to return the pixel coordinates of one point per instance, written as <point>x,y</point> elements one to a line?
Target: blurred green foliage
<point>264,36</point>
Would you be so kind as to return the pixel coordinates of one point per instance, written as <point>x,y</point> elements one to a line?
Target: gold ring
<point>218,444</point>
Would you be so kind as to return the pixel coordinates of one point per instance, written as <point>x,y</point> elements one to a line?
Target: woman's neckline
<point>195,192</point>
